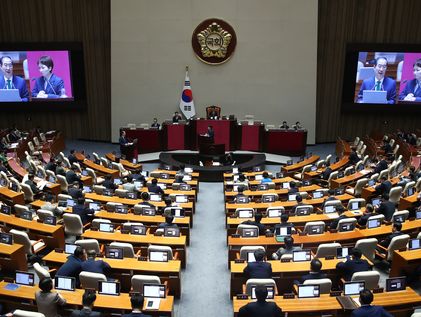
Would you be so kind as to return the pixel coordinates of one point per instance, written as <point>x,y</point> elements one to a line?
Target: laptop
<point>374,96</point>
<point>87,189</point>
<point>6,238</point>
<point>395,284</point>
<point>414,244</point>
<point>14,187</point>
<point>178,212</point>
<point>285,185</point>
<point>64,283</point>
<point>7,210</point>
<point>138,229</point>
<point>164,176</point>
<point>353,288</point>
<point>121,209</point>
<point>245,213</point>
<point>10,95</point>
<point>181,199</point>
<point>250,233</point>
<point>114,252</point>
<point>301,256</point>
<point>148,211</point>
<point>308,291</point>
<point>316,229</point>
<point>274,213</point>
<point>342,253</point>
<point>373,223</point>
<point>375,201</point>
<point>27,215</point>
<point>24,278</point>
<point>70,248</point>
<point>158,256</point>
<point>289,162</point>
<point>117,181</point>
<point>153,294</point>
<point>171,232</point>
<point>106,227</point>
<point>318,194</point>
<point>242,200</point>
<point>292,197</point>
<point>50,220</point>
<point>95,206</point>
<point>271,292</point>
<point>329,209</point>
<point>109,288</point>
<point>313,168</point>
<point>283,231</point>
<point>263,187</point>
<point>155,197</point>
<point>187,178</point>
<point>185,187</point>
<point>70,202</point>
<point>355,205</point>
<point>344,227</point>
<point>188,170</point>
<point>51,179</point>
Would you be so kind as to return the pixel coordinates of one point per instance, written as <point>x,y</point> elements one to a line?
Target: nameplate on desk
<point>242,296</point>
<point>378,290</point>
<point>58,250</point>
<point>142,258</point>
<point>335,293</point>
<point>285,260</point>
<point>333,231</point>
<point>301,233</point>
<point>239,261</point>
<point>288,296</point>
<point>269,234</point>
<point>235,235</point>
<point>329,257</point>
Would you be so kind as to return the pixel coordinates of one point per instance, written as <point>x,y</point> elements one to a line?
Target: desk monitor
<point>245,213</point>
<point>313,168</point>
<point>185,187</point>
<point>85,173</point>
<point>107,192</point>
<point>250,232</point>
<point>414,244</point>
<point>395,284</point>
<point>70,202</point>
<point>148,211</point>
<point>62,203</point>
<point>258,177</point>
<point>330,209</point>
<point>344,227</point>
<point>3,182</point>
<point>373,223</point>
<point>164,176</point>
<point>187,178</point>
<point>264,186</point>
<point>292,197</point>
<point>64,283</point>
<point>371,182</point>
<point>95,206</point>
<point>155,197</point>
<point>154,290</point>
<point>285,185</point>
<point>181,199</point>
<point>289,162</point>
<point>341,174</point>
<point>235,170</point>
<point>109,288</point>
<point>410,191</point>
<point>360,167</point>
<point>162,185</point>
<point>114,252</point>
<point>315,229</point>
<point>268,198</point>
<point>6,238</point>
<point>171,232</point>
<point>308,291</point>
<point>158,256</point>
<point>87,189</point>
<point>106,227</point>
<point>418,214</point>
<point>178,212</point>
<point>398,218</point>
<point>25,214</point>
<point>374,96</point>
<point>355,205</point>
<point>317,194</point>
<point>50,220</point>
<point>342,253</point>
<point>303,210</point>
<point>138,229</point>
<point>271,292</point>
<point>70,248</point>
<point>117,181</point>
<point>24,278</point>
<point>301,256</point>
<point>274,213</point>
<point>10,95</point>
<point>250,256</point>
<point>375,201</point>
<point>121,209</point>
<point>283,231</point>
<point>131,195</point>
<point>242,200</point>
<point>7,210</point>
<point>14,187</point>
<point>40,174</point>
<point>353,288</point>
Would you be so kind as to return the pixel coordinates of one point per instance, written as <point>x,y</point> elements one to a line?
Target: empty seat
<point>327,249</point>
<point>139,280</point>
<point>90,280</point>
<point>371,278</point>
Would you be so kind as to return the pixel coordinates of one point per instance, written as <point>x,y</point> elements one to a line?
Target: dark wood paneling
<point>358,21</point>
<point>85,21</point>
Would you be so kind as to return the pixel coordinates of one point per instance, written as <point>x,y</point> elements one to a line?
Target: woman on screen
<point>412,90</point>
<point>48,85</point>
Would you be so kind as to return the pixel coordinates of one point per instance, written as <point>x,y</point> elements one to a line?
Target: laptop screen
<point>318,194</point>
<point>355,205</point>
<point>155,197</point>
<point>235,170</point>
<point>138,229</point>
<point>158,256</point>
<point>308,291</point>
<point>371,182</point>
<point>395,284</point>
<point>314,168</point>
<point>65,283</point>
<point>181,199</point>
<point>353,288</point>
<point>373,223</point>
<point>131,195</point>
<point>114,252</point>
<point>6,209</point>
<point>342,252</point>
<point>414,244</point>
<point>24,278</point>
<point>375,201</point>
<point>154,290</point>
<point>292,197</point>
<point>171,232</point>
<point>245,213</point>
<point>250,232</point>
<point>6,238</point>
<point>300,256</point>
<point>148,211</point>
<point>410,191</point>
<point>94,206</point>
<point>69,248</point>
<point>27,215</point>
<point>109,288</point>
<point>398,218</point>
<point>117,181</point>
<point>145,173</point>
<point>271,292</point>
<point>87,189</point>
<point>258,177</point>
<point>70,202</point>
<point>106,227</point>
<point>330,209</point>
<point>283,231</point>
<point>85,173</point>
<point>162,185</point>
<point>274,213</point>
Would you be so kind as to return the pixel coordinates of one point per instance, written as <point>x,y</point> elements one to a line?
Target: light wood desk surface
<point>335,166</point>
<point>184,221</point>
<point>295,167</point>
<point>282,191</point>
<point>13,257</point>
<point>350,178</point>
<point>101,169</point>
<point>15,197</point>
<point>173,173</point>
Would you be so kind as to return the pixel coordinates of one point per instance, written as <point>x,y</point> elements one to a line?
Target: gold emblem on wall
<point>214,41</point>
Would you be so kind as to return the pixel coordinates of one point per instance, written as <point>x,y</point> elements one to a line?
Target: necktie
<point>417,89</point>
<point>9,84</point>
<point>378,85</point>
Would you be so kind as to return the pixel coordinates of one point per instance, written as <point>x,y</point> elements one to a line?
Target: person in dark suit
<point>137,304</point>
<point>10,81</point>
<point>211,134</point>
<point>83,211</point>
<point>176,117</point>
<point>88,299</point>
<point>396,231</point>
<point>48,85</point>
<point>412,90</point>
<point>154,188</point>
<point>258,269</point>
<point>326,173</point>
<point>72,157</point>
<point>334,222</point>
<point>73,266</point>
<point>330,197</point>
<point>315,272</point>
<point>292,188</point>
<point>369,211</point>
<point>299,200</point>
<point>51,165</point>
<point>30,182</point>
<point>71,176</point>
<point>380,165</point>
<point>75,191</point>
<point>169,219</point>
<point>386,208</point>
<point>155,124</point>
<point>353,264</point>
<point>368,310</point>
<point>95,266</point>
<point>257,223</point>
<point>284,125</point>
<point>260,308</point>
<point>384,186</point>
<point>387,148</point>
<point>284,223</point>
<point>379,82</point>
<point>109,183</point>
<point>353,156</point>
<point>145,197</point>
<point>240,195</point>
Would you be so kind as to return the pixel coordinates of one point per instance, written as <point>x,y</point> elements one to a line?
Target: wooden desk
<point>10,195</point>
<point>289,169</point>
<point>258,193</point>
<point>335,166</point>
<point>343,181</point>
<point>121,304</point>
<point>101,170</point>
<point>408,202</point>
<point>13,257</point>
<point>126,164</point>
<point>407,260</point>
<point>194,175</point>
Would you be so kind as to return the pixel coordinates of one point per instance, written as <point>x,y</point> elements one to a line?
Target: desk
<point>223,132</point>
<point>148,140</point>
<point>101,170</point>
<point>12,257</point>
<point>407,260</point>
<point>290,169</point>
<point>335,166</point>
<point>286,142</point>
<point>126,164</point>
<point>173,136</point>
<point>343,181</point>
<point>10,195</point>
<point>251,136</point>
<point>259,193</point>
<point>408,202</point>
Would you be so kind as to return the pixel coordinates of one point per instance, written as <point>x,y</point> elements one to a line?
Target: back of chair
<point>395,194</point>
<point>310,224</point>
<point>241,227</point>
<point>361,202</point>
<point>40,271</point>
<point>259,282</point>
<point>26,313</point>
<point>89,244</point>
<point>43,214</point>
<point>361,183</point>
<point>327,249</point>
<point>63,183</point>
<point>325,284</point>
<point>247,249</point>
<point>397,243</point>
<point>139,280</point>
<point>90,280</point>
<point>27,192</point>
<point>346,221</point>
<point>404,214</point>
<point>161,248</point>
<point>21,237</point>
<point>72,224</point>
<point>371,278</point>
<point>128,251</point>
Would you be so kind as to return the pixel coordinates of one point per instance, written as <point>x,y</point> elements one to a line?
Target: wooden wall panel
<point>85,21</point>
<point>358,21</point>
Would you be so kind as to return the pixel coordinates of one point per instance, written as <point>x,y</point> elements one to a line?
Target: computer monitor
<point>24,278</point>
<point>148,211</point>
<point>70,202</point>
<point>187,178</point>
<point>258,177</point>
<point>6,238</point>
<point>109,288</point>
<point>171,232</point>
<point>117,181</point>
<point>87,189</point>
<point>270,289</point>
<point>355,205</point>
<point>95,206</point>
<point>188,170</point>
<point>107,192</point>
<point>395,284</point>
<point>313,168</point>
<point>342,253</point>
<point>371,182</point>
<point>245,213</point>
<point>347,226</point>
<point>69,248</point>
<point>51,179</point>
<point>242,200</point>
<point>7,210</point>
<point>375,201</point>
<point>292,197</point>
<point>121,209</point>
<point>138,229</point>
<point>85,173</point>
<point>317,194</point>
<point>64,283</point>
<point>268,198</point>
<point>14,187</point>
<point>106,227</point>
<point>185,187</point>
<point>181,199</point>
<point>250,256</point>
<point>285,185</point>
<point>414,244</point>
<point>62,203</point>
<point>283,231</point>
<point>303,210</point>
<point>301,256</point>
<point>131,195</point>
<point>410,191</point>
<point>114,252</point>
<point>27,215</point>
<point>418,214</point>
<point>360,167</point>
<point>158,256</point>
<point>373,223</point>
<point>329,209</point>
<point>308,291</point>
<point>235,170</point>
<point>274,213</point>
<point>289,162</point>
<point>154,290</point>
<point>162,185</point>
<point>315,229</point>
<point>250,232</point>
<point>50,220</point>
<point>178,212</point>
<point>353,288</point>
<point>398,218</point>
<point>155,197</point>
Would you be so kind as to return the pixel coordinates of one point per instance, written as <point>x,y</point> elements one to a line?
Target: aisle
<point>205,282</point>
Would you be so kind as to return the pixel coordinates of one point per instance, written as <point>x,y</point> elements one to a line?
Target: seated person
<point>72,177</point>
<point>368,310</point>
<point>258,269</point>
<point>386,207</point>
<point>168,207</point>
<point>387,148</point>
<point>213,114</point>
<point>330,197</point>
<point>155,123</point>
<point>396,231</point>
<point>292,188</point>
<point>83,211</point>
<point>137,304</point>
<point>297,126</point>
<point>129,185</point>
<point>73,266</point>
<point>260,308</point>
<point>353,156</point>
<point>154,188</point>
<point>30,182</point>
<point>109,183</point>
<point>369,211</point>
<point>299,200</point>
<point>326,173</point>
<point>176,117</point>
<point>145,197</point>
<point>284,125</point>
<point>240,194</point>
<point>88,299</point>
<point>257,223</point>
<point>288,248</point>
<point>95,266</point>
<point>384,186</point>
<point>334,222</point>
<point>315,272</point>
<point>353,264</point>
<point>284,223</point>
<point>168,222</point>
<point>48,302</point>
<point>266,178</point>
<point>75,191</point>
<point>72,157</point>
<point>379,165</point>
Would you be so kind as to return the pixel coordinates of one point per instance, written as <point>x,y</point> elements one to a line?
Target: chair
<point>395,194</point>
<point>356,191</point>
<point>63,197</point>
<point>20,208</point>
<point>121,169</point>
<point>320,163</point>
<point>51,175</point>
<point>122,193</point>
<point>246,249</point>
<point>96,180</point>
<point>138,281</point>
<point>210,109</point>
<point>77,166</point>
<point>337,203</point>
<point>310,224</point>
<point>16,183</point>
<point>41,171</point>
<point>408,186</point>
<point>96,222</point>
<point>397,243</point>
<point>96,158</point>
<point>404,214</point>
<point>64,186</point>
<point>349,170</point>
<point>42,214</point>
<point>324,283</point>
<point>304,210</point>
<point>239,210</point>
<point>303,195</point>
<point>356,141</point>
<point>259,282</point>
<point>27,192</point>
<point>32,149</point>
<point>279,208</point>
<point>361,202</point>
<point>110,206</point>
<point>241,227</point>
<point>42,137</point>
<point>418,185</point>
<point>384,173</point>
<point>375,176</point>
<point>4,179</point>
<point>138,209</point>
<point>328,158</point>
<point>72,224</point>
<point>371,278</point>
<point>367,247</point>
<point>40,271</point>
<point>128,225</point>
<point>327,249</point>
<point>89,244</point>
<point>98,189</point>
<point>306,169</point>
<point>358,166</point>
<point>269,197</point>
<point>26,313</point>
<point>90,280</point>
<point>332,176</point>
<point>349,221</point>
<point>163,248</point>
<point>128,251</point>
<point>104,162</point>
<point>30,246</point>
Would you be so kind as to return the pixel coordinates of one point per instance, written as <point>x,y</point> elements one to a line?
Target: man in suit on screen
<point>10,81</point>
<point>379,82</point>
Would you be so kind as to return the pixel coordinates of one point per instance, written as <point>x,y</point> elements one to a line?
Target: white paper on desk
<point>333,215</point>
